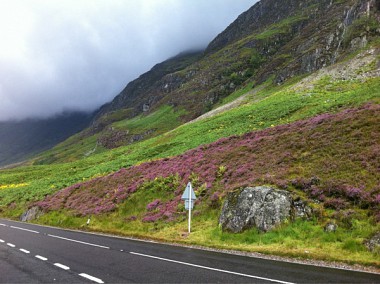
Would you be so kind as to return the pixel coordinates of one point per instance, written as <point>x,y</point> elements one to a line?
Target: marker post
<point>189,197</point>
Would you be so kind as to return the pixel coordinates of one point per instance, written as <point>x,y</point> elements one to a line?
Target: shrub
<point>153,205</point>
<point>335,203</point>
<point>214,200</point>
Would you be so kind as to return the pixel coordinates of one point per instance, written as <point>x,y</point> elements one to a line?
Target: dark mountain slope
<point>257,18</point>
<point>134,95</point>
<point>19,140</point>
<point>273,39</point>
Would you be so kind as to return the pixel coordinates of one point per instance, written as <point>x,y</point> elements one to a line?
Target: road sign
<point>189,197</point>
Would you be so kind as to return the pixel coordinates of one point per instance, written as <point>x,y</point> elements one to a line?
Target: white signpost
<point>189,197</point>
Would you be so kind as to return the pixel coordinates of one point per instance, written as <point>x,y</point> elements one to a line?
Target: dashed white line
<point>31,231</point>
<point>3,225</point>
<point>24,250</point>
<point>71,240</point>
<point>97,280</point>
<point>62,266</point>
<point>11,245</point>
<point>41,257</point>
<point>211,268</point>
<point>2,241</point>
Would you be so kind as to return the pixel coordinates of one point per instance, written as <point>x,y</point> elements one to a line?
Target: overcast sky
<point>58,55</point>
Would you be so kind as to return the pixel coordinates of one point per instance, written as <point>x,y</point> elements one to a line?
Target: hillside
<point>294,89</point>
<point>319,160</point>
<point>272,41</point>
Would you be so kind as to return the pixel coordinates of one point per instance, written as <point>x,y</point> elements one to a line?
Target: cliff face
<point>298,37</point>
<point>153,82</point>
<point>258,17</point>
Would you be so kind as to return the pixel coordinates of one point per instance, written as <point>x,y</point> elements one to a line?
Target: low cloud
<point>78,54</point>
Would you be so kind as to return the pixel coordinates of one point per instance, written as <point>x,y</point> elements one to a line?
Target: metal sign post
<point>189,197</point>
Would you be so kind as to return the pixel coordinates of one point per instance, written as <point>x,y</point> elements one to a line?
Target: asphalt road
<point>36,254</point>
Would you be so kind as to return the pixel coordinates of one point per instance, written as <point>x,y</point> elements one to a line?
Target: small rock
<point>330,228</point>
<point>31,214</point>
<point>184,234</point>
<point>301,210</point>
<point>146,107</point>
<point>373,244</point>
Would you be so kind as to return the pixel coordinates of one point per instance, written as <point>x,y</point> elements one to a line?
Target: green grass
<point>164,119</point>
<point>76,147</point>
<point>81,146</point>
<point>282,27</point>
<point>235,95</point>
<point>300,239</point>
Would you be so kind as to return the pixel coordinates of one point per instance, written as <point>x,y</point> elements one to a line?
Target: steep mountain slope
<point>133,97</point>
<point>273,41</point>
<point>283,38</point>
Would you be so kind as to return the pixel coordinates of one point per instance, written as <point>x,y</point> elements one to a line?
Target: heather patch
<point>320,158</point>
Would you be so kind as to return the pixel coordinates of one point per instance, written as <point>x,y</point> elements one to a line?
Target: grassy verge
<point>301,240</point>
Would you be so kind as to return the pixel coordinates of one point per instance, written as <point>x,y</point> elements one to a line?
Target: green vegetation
<point>81,145</point>
<point>363,25</point>
<point>235,95</point>
<point>281,27</point>
<point>301,239</point>
<point>76,147</point>
<point>164,119</point>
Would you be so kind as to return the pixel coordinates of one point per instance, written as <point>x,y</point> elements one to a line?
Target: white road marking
<point>211,268</point>
<point>71,240</point>
<point>97,280</point>
<point>1,241</point>
<point>62,266</point>
<point>1,224</point>
<point>18,228</point>
<point>41,257</point>
<point>24,250</point>
<point>11,245</point>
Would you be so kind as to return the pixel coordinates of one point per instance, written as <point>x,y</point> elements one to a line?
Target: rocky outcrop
<point>150,87</point>
<point>31,214</point>
<point>263,14</point>
<point>113,138</point>
<point>262,207</point>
